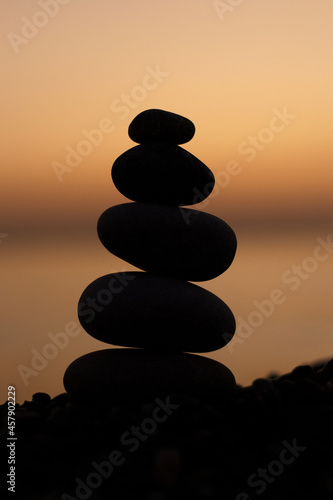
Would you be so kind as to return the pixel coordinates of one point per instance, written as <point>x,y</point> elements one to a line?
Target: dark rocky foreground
<point>273,439</point>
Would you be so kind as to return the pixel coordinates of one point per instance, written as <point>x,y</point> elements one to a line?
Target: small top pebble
<point>156,125</point>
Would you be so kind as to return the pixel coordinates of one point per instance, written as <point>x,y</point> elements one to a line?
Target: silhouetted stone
<point>155,312</point>
<point>154,125</point>
<point>184,243</point>
<point>60,400</point>
<point>162,173</point>
<point>301,371</point>
<point>41,397</point>
<point>127,375</point>
<point>262,384</point>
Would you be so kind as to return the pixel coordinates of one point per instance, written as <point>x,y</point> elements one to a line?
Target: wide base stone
<point>127,375</point>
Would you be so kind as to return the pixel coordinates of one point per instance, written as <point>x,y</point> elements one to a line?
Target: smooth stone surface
<point>179,242</point>
<point>154,125</point>
<point>137,309</point>
<point>162,173</point>
<point>124,375</point>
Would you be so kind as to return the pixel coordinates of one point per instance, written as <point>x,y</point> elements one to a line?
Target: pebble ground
<point>271,440</point>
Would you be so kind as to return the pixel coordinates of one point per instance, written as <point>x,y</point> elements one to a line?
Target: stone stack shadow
<point>157,314</point>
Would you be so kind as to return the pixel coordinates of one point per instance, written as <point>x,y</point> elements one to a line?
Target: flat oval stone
<point>162,173</point>
<point>184,243</point>
<point>155,125</point>
<point>137,309</point>
<point>127,375</point>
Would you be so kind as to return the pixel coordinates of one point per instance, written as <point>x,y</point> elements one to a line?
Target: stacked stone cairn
<point>157,314</point>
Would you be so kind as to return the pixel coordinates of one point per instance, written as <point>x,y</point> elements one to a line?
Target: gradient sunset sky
<point>256,79</point>
<point>229,70</point>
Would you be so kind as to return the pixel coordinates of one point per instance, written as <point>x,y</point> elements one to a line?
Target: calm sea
<point>279,288</point>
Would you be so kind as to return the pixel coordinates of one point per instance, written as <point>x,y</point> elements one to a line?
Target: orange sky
<point>89,66</point>
<point>257,82</point>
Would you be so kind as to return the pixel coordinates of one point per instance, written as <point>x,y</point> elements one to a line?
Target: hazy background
<point>230,70</point>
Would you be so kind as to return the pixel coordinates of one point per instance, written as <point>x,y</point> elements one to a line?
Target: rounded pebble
<point>127,375</point>
<point>155,125</point>
<point>302,371</point>
<point>183,243</point>
<point>155,312</point>
<point>262,384</point>
<point>41,397</point>
<point>162,173</point>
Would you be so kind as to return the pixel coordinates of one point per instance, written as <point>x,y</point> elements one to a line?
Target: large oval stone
<point>184,243</point>
<point>127,375</point>
<point>162,173</point>
<point>155,125</point>
<point>137,309</point>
